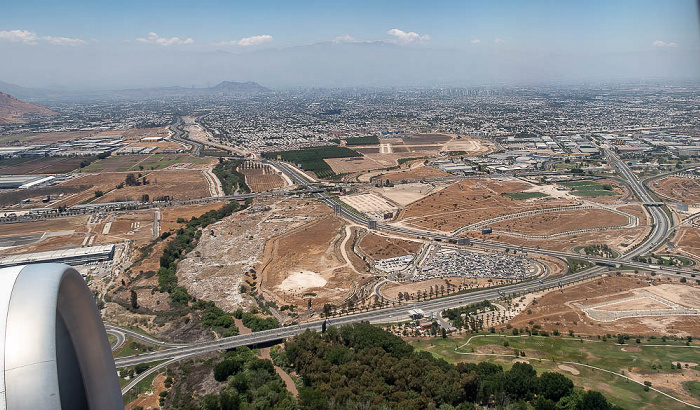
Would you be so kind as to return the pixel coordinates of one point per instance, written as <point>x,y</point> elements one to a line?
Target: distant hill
<point>225,88</point>
<point>13,110</point>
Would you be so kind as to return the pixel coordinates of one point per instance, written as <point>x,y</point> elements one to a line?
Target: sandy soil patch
<point>569,369</point>
<point>370,203</point>
<point>299,281</point>
<point>404,194</point>
<point>636,304</point>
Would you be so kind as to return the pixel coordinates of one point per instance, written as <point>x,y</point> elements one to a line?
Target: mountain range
<point>223,89</point>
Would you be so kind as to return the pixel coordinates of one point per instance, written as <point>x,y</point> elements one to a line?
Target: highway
<point>660,229</point>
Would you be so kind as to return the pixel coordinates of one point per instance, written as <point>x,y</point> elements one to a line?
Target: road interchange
<point>660,229</point>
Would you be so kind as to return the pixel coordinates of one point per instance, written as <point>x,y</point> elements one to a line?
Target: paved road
<point>401,312</point>
<point>376,316</point>
<point>121,334</point>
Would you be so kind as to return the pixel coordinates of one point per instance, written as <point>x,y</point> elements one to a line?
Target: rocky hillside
<point>13,110</point>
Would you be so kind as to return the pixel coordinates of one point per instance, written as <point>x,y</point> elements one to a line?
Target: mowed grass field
<point>547,353</point>
<point>589,188</point>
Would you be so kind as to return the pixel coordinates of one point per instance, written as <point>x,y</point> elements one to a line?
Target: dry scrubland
<point>178,184</point>
<point>470,201</point>
<point>618,239</point>
<point>564,221</point>
<point>687,240</point>
<point>679,189</point>
<point>378,247</point>
<point>558,309</point>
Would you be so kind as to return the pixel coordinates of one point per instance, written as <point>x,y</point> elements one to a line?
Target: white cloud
<point>403,37</point>
<point>499,40</point>
<point>345,38</point>
<point>31,38</point>
<point>64,41</point>
<point>247,41</point>
<point>153,38</point>
<point>19,36</point>
<point>476,41</point>
<point>659,43</point>
<point>255,40</point>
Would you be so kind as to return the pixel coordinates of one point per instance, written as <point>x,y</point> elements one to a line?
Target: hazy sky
<point>141,43</point>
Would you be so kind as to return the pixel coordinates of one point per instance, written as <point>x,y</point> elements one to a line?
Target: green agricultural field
<point>524,195</point>
<point>312,159</point>
<point>547,353</point>
<point>589,188</point>
<point>368,140</point>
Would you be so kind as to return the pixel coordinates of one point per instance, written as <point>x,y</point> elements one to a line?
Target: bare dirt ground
<point>149,399</point>
<point>369,203</point>
<point>473,146</point>
<point>679,189</point>
<point>392,290</point>
<point>557,309</point>
<point>261,177</point>
<point>52,234</point>
<point>618,239</point>
<point>419,172</point>
<point>550,223</point>
<point>404,194</point>
<point>220,264</point>
<point>687,240</point>
<point>378,247</point>
<point>134,226</point>
<point>638,211</point>
<point>470,201</point>
<point>310,262</point>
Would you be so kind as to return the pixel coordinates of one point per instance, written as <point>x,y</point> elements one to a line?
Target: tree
<point>620,339</point>
<point>134,300</point>
<point>554,386</point>
<point>131,180</point>
<point>594,400</point>
<point>98,194</point>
